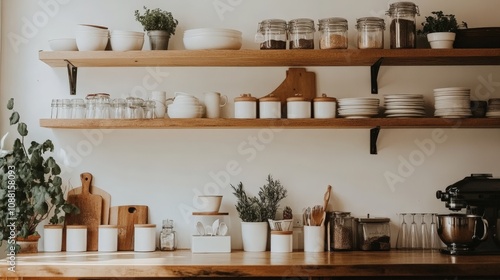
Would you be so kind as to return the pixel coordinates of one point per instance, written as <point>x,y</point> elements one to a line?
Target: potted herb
<point>159,24</point>
<point>255,211</point>
<point>440,30</point>
<point>30,188</point>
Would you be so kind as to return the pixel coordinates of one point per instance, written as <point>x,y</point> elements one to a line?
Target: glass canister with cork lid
<point>403,28</point>
<point>370,33</point>
<point>374,234</point>
<point>272,34</point>
<point>341,228</point>
<point>301,33</point>
<point>333,33</point>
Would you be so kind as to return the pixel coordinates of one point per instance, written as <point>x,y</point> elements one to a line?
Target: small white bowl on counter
<point>126,40</point>
<point>212,39</point>
<point>91,37</point>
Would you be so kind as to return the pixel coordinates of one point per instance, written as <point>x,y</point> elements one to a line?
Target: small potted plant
<point>440,30</point>
<point>30,189</point>
<point>160,26</point>
<point>255,211</point>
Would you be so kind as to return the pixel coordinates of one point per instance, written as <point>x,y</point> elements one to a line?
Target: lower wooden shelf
<point>269,123</point>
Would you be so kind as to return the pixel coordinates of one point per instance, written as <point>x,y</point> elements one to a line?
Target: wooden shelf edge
<point>339,123</point>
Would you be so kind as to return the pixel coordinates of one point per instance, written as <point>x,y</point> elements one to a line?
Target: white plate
<point>405,116</point>
<point>404,111</point>
<point>404,96</point>
<point>452,89</point>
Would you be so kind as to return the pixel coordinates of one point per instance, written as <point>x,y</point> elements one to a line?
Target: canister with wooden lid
<point>324,107</point>
<point>298,107</point>
<point>76,238</point>
<point>144,237</point>
<point>269,107</point>
<point>245,107</point>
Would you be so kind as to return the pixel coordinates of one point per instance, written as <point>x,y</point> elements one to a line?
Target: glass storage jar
<point>370,33</point>
<point>333,33</point>
<point>374,234</point>
<point>272,34</point>
<point>341,227</point>
<point>301,33</point>
<point>403,28</point>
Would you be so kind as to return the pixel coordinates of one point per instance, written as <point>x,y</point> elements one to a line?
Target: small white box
<point>210,244</point>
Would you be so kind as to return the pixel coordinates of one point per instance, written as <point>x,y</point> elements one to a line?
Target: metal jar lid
<point>373,220</point>
<point>269,98</point>
<point>325,98</point>
<point>296,98</point>
<point>245,97</point>
<point>403,8</point>
<point>333,22</point>
<point>370,22</point>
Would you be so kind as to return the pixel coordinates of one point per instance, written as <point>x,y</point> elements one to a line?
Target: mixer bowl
<point>461,231</point>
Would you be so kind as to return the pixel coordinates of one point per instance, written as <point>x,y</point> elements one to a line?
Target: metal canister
<point>341,227</point>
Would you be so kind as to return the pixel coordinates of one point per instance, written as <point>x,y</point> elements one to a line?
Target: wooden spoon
<point>317,215</point>
<point>327,197</point>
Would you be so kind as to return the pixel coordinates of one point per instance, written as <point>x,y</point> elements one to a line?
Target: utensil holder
<point>314,238</point>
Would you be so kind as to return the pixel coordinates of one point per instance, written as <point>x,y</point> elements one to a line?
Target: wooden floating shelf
<point>269,123</point>
<point>347,57</point>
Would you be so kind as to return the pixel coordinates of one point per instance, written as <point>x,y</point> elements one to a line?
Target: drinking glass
<point>434,240</point>
<point>424,233</point>
<point>78,111</point>
<point>402,241</point>
<point>414,234</point>
<point>55,108</point>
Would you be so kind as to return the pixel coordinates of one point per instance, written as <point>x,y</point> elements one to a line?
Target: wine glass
<point>434,240</point>
<point>424,234</point>
<point>414,234</point>
<point>402,241</point>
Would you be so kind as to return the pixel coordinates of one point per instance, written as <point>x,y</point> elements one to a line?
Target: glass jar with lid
<point>370,33</point>
<point>341,228</point>
<point>301,33</point>
<point>374,234</point>
<point>272,34</point>
<point>333,33</point>
<point>403,28</point>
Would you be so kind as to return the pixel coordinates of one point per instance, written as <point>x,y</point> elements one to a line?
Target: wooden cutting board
<point>125,217</point>
<point>106,199</point>
<point>90,206</point>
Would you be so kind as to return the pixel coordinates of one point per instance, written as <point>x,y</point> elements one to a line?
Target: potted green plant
<point>440,30</point>
<point>255,211</point>
<point>160,26</point>
<point>30,188</point>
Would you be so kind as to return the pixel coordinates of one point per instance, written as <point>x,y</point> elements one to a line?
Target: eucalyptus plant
<point>157,19</point>
<point>439,22</point>
<point>30,186</point>
<point>262,207</point>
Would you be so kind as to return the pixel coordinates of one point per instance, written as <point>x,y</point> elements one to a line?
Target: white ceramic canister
<point>281,241</point>
<point>245,107</point>
<point>76,238</point>
<point>324,107</point>
<point>314,238</point>
<point>298,107</point>
<point>52,238</point>
<point>144,237</point>
<point>269,107</point>
<point>108,238</point>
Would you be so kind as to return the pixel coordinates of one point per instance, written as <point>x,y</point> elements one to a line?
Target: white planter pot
<point>254,236</point>
<point>441,40</point>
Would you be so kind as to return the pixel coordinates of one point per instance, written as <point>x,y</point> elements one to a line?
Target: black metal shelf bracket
<point>373,139</point>
<point>72,74</point>
<point>374,74</point>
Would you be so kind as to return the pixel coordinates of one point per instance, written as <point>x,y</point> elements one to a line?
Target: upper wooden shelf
<point>348,57</point>
<point>263,123</point>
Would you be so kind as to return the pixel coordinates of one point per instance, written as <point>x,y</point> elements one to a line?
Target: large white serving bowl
<point>91,42</point>
<point>212,39</point>
<point>126,43</point>
<point>63,44</point>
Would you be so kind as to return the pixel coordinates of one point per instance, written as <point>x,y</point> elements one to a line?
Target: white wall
<point>165,169</point>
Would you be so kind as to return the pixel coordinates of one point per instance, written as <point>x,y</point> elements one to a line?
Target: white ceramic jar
<point>108,238</point>
<point>144,237</point>
<point>76,238</point>
<point>298,107</point>
<point>270,107</point>
<point>245,107</point>
<point>324,107</point>
<point>52,238</point>
<point>282,241</point>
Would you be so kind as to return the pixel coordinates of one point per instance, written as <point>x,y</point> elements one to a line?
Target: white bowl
<point>87,42</point>
<point>212,31</point>
<point>212,39</point>
<point>210,203</point>
<point>126,43</point>
<point>63,44</point>
<point>127,33</point>
<point>91,27</point>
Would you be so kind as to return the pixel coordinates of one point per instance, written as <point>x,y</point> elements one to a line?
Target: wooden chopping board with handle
<point>125,217</point>
<point>90,206</point>
<point>106,198</point>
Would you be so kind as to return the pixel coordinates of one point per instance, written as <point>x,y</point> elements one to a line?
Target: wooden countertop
<point>183,263</point>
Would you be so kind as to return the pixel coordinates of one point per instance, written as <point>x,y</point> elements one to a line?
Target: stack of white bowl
<point>185,106</point>
<point>91,37</point>
<point>358,107</point>
<point>212,39</point>
<point>126,40</point>
<point>452,102</point>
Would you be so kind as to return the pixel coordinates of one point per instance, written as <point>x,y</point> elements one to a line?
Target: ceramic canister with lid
<point>52,238</point>
<point>269,107</point>
<point>108,238</point>
<point>298,107</point>
<point>144,237</point>
<point>245,107</point>
<point>76,238</point>
<point>324,107</point>
<point>281,241</point>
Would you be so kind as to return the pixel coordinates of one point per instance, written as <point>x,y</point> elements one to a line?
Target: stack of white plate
<point>493,108</point>
<point>358,107</point>
<point>452,102</point>
<point>404,106</point>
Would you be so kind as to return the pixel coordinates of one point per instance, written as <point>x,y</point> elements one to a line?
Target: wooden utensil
<point>106,199</point>
<point>125,217</point>
<point>327,197</point>
<point>90,206</point>
<point>317,215</point>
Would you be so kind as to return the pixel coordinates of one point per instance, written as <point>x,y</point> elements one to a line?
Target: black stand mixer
<point>479,194</point>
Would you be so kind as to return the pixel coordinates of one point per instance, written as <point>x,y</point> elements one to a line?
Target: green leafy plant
<point>439,22</point>
<point>157,19</point>
<point>30,185</point>
<point>262,207</point>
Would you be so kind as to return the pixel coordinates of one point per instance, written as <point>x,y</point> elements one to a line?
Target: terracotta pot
<point>28,244</point>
